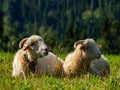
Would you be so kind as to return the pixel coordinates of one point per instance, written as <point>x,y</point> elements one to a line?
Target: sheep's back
<point>49,65</point>
<point>100,66</point>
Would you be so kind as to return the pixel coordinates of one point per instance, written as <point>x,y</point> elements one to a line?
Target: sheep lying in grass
<point>100,67</point>
<point>25,59</point>
<point>78,61</point>
<point>30,59</point>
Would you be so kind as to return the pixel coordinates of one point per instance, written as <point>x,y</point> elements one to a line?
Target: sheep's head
<point>35,46</point>
<point>89,48</point>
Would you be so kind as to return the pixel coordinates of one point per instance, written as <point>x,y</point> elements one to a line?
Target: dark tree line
<point>60,23</point>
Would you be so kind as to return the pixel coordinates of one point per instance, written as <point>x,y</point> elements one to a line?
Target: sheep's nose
<point>46,49</point>
<point>98,55</point>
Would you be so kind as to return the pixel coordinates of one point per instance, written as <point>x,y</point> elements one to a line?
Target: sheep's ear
<point>25,46</point>
<point>81,47</point>
<point>99,45</point>
<point>22,42</point>
<point>78,42</point>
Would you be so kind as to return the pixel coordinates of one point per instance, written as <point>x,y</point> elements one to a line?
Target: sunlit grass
<point>86,82</point>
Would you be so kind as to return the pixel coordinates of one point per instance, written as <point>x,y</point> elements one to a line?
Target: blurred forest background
<point>60,23</point>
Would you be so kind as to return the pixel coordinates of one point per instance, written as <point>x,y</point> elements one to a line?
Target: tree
<point>9,35</point>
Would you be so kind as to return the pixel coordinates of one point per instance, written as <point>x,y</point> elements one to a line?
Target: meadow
<point>86,82</point>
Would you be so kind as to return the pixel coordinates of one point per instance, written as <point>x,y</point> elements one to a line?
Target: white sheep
<point>25,59</point>
<point>100,67</point>
<point>78,61</point>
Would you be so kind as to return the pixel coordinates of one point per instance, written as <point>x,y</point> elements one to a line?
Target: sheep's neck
<point>80,63</point>
<point>27,64</point>
<point>76,57</point>
<point>30,54</point>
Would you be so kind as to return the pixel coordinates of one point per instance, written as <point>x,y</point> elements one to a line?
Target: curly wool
<point>100,67</point>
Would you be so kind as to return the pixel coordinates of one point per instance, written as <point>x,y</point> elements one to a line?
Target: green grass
<point>87,82</point>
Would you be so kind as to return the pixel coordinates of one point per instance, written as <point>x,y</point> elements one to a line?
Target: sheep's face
<point>35,46</point>
<point>89,48</point>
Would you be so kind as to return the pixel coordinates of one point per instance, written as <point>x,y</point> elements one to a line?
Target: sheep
<point>100,67</point>
<point>50,65</point>
<point>25,59</point>
<point>77,62</point>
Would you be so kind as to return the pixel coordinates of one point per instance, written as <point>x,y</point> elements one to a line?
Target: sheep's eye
<point>40,39</point>
<point>32,44</point>
<point>87,48</point>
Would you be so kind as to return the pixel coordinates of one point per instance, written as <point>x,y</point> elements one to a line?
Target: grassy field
<point>87,82</point>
